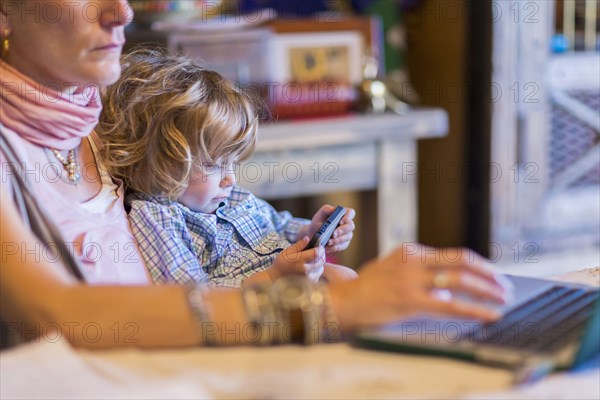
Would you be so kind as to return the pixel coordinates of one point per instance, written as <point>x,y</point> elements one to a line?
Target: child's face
<point>206,190</point>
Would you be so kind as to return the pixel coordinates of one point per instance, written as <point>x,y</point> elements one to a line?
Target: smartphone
<point>326,230</point>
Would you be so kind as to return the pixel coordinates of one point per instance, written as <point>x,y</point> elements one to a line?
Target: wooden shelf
<point>349,153</point>
<point>419,123</point>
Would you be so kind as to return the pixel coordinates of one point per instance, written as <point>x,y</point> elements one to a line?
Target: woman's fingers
<point>461,309</point>
<point>466,265</point>
<point>456,258</point>
<point>465,282</point>
<point>402,284</point>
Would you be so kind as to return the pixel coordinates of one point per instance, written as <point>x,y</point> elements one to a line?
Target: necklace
<point>70,164</point>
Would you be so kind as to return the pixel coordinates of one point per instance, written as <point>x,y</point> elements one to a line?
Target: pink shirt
<point>97,230</point>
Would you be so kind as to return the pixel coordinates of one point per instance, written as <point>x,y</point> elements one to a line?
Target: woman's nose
<point>115,13</point>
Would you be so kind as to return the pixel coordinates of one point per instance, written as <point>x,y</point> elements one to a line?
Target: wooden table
<point>355,152</point>
<point>52,369</point>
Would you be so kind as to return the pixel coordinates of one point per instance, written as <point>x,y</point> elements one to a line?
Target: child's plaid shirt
<point>242,237</point>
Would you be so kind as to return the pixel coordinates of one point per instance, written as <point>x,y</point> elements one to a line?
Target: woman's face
<point>66,43</point>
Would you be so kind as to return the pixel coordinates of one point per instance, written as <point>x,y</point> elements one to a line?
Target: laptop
<point>549,325</point>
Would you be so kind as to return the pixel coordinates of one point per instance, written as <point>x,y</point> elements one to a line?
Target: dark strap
<point>31,214</point>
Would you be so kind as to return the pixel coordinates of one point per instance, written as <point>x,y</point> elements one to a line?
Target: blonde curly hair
<point>168,115</point>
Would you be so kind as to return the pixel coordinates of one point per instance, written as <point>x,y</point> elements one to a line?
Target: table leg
<point>397,193</point>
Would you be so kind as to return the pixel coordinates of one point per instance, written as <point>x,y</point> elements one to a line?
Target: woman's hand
<point>340,240</point>
<point>294,260</point>
<point>418,279</point>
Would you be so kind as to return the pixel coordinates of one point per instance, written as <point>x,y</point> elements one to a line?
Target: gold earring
<point>5,43</point>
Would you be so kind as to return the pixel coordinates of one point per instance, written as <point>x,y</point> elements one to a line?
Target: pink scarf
<point>47,116</point>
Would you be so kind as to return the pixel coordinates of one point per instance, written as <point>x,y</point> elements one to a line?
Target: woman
<point>51,62</point>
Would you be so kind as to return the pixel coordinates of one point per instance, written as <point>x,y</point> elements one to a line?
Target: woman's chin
<point>109,75</point>
<point>102,73</point>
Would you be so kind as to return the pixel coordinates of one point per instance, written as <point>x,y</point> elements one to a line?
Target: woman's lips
<point>109,47</point>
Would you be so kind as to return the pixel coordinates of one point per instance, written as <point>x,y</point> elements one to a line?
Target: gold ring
<point>441,280</point>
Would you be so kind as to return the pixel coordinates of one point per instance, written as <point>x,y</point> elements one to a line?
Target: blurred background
<point>516,176</point>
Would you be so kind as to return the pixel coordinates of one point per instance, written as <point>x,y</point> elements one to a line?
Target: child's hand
<point>295,261</point>
<point>340,240</point>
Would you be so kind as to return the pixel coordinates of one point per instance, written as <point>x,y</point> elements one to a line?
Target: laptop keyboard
<point>544,323</point>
